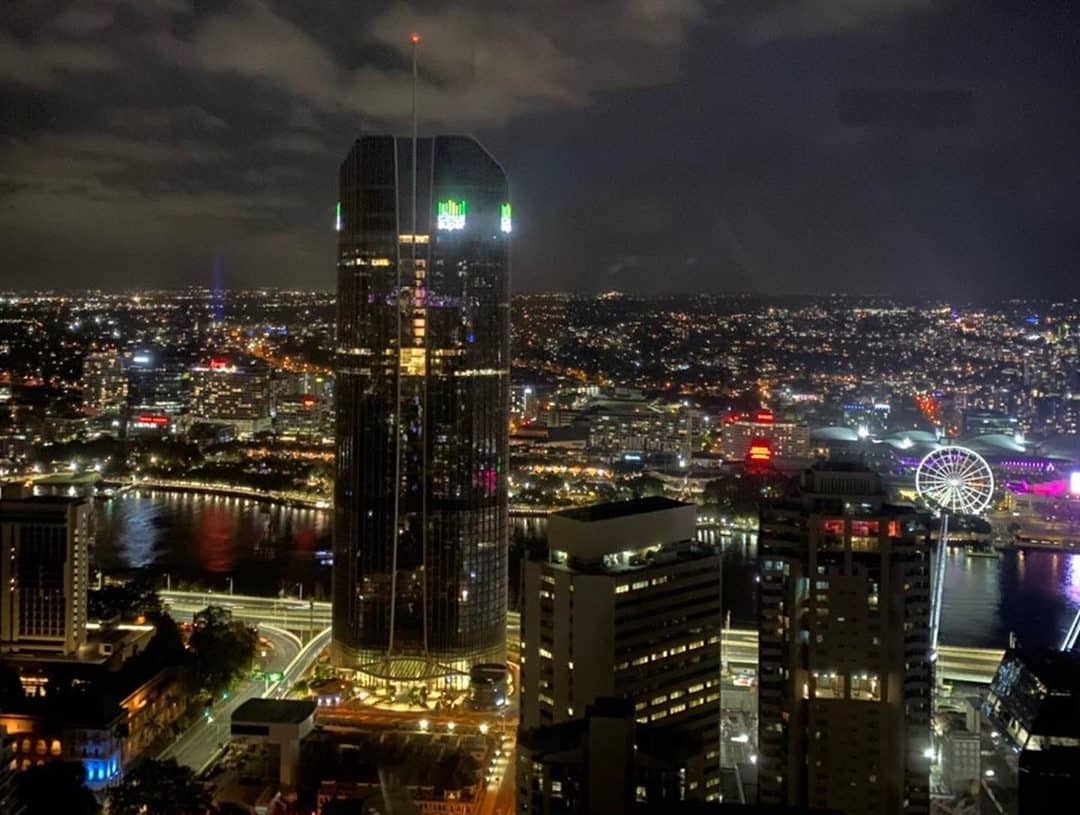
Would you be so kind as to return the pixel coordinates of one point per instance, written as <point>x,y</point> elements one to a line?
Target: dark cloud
<point>144,138</point>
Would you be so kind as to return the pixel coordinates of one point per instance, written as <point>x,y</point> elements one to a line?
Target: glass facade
<point>420,540</point>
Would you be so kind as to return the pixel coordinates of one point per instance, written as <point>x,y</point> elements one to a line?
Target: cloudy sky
<point>893,146</point>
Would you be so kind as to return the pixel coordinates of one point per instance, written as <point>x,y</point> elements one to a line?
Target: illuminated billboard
<point>450,215</point>
<point>1074,483</point>
<point>337,217</point>
<point>505,218</point>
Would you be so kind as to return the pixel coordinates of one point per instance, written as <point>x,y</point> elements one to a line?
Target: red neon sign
<point>156,421</point>
<point>219,364</point>
<point>760,452</point>
<point>764,416</point>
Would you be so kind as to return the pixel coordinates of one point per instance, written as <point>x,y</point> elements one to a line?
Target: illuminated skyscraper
<point>844,649</point>
<point>420,534</point>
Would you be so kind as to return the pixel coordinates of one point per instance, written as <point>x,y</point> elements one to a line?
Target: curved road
<point>199,744</point>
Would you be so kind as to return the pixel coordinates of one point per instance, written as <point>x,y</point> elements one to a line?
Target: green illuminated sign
<point>505,218</point>
<point>337,217</point>
<point>450,214</point>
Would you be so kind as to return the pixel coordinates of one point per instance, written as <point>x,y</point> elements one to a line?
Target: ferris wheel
<point>951,479</point>
<point>955,479</point>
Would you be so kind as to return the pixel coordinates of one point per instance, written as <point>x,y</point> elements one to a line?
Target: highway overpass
<point>955,664</point>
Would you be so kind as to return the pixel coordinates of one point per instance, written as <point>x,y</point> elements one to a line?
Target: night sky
<point>906,147</point>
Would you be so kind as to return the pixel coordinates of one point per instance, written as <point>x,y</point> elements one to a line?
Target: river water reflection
<point>266,548</point>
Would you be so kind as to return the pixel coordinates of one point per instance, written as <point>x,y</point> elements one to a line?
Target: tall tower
<point>423,365</point>
<point>44,567</point>
<point>844,649</point>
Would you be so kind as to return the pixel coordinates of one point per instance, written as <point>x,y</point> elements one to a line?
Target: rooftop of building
<point>274,711</point>
<point>419,764</point>
<point>620,509</point>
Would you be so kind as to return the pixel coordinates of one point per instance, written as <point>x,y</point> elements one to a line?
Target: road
<point>198,745</point>
<point>956,664</point>
<point>288,612</point>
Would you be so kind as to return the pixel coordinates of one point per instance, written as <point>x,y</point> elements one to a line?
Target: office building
<point>227,394</point>
<point>961,760</point>
<point>422,400</point>
<point>602,762</point>
<point>304,417</point>
<point>157,385</point>
<point>784,440</point>
<point>626,603</point>
<point>44,558</point>
<point>104,383</point>
<point>844,648</point>
<point>1034,702</point>
<point>988,422</point>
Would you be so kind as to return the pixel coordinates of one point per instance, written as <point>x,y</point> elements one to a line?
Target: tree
<point>222,649</point>
<point>58,786</point>
<point>160,787</point>
<point>128,601</point>
<point>646,486</point>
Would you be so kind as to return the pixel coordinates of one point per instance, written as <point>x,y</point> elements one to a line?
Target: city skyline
<point>871,147</point>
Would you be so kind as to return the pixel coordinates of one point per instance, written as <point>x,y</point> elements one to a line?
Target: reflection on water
<point>265,548</point>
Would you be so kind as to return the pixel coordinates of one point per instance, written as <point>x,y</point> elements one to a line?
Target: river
<point>266,549</point>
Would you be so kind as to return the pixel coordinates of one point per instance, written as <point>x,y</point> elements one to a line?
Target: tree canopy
<point>160,787</point>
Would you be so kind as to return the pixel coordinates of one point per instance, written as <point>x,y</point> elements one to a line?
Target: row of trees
<point>159,787</point>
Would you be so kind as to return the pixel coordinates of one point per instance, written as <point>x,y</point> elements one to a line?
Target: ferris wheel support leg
<point>1072,634</point>
<point>937,589</point>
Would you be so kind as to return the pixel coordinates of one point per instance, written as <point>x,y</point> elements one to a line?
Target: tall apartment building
<point>104,383</point>
<point>626,604</point>
<point>44,569</point>
<point>844,648</point>
<point>224,393</point>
